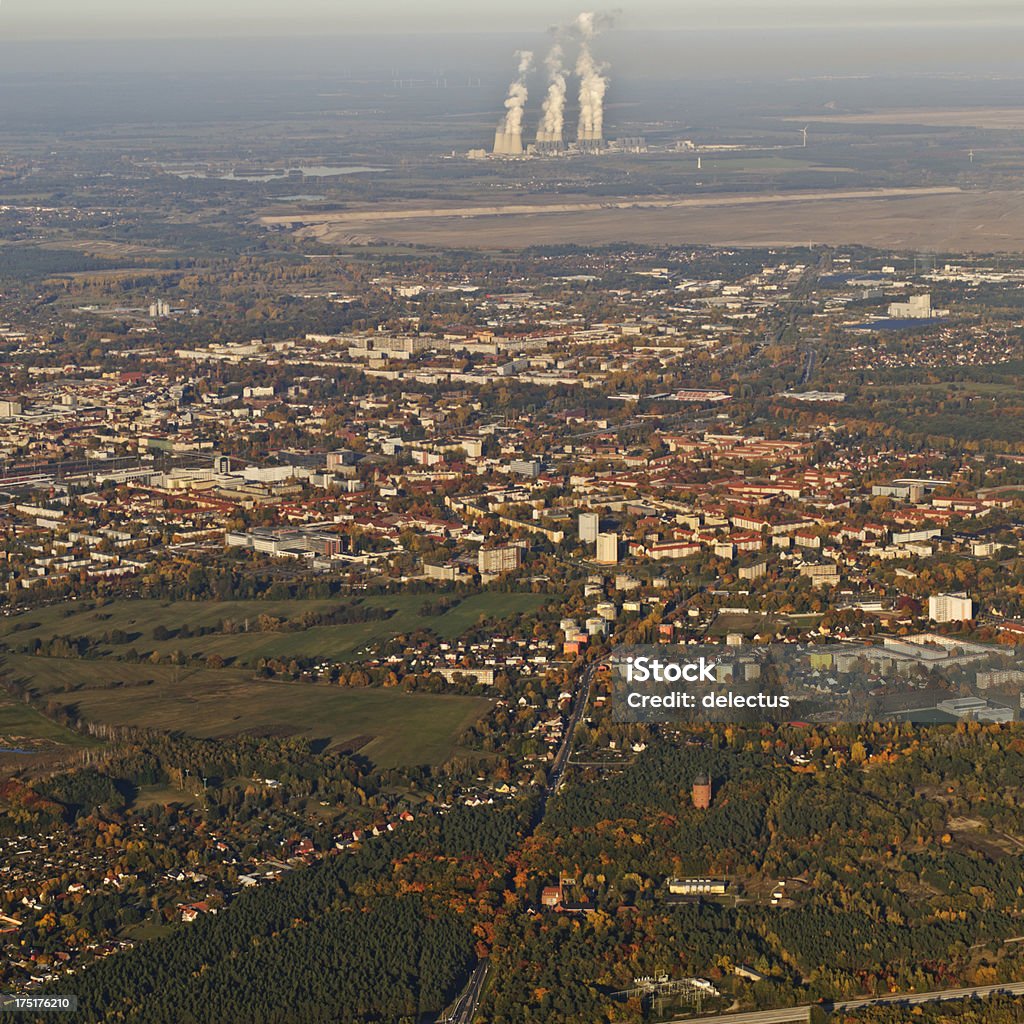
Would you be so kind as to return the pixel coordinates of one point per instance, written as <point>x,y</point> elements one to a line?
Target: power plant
<point>508,139</point>
<point>550,139</point>
<point>593,85</point>
<point>586,104</point>
<point>550,133</point>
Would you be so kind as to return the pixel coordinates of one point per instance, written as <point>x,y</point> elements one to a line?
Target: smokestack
<point>552,125</point>
<point>508,141</point>
<point>593,85</point>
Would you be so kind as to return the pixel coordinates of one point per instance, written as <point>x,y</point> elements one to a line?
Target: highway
<point>809,367</point>
<point>1015,988</point>
<point>791,1015</point>
<point>803,1013</point>
<point>464,1008</point>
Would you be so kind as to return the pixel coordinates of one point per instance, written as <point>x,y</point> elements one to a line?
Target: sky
<point>64,19</point>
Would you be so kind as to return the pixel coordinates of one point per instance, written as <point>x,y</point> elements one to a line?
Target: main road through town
<point>463,1010</point>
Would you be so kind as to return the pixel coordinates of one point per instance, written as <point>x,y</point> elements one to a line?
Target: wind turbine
<point>803,132</point>
<point>970,155</point>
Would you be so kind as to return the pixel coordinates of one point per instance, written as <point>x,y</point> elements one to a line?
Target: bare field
<point>364,217</point>
<point>980,117</point>
<point>940,219</point>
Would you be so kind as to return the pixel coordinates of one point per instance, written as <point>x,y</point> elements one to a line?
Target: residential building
<point>950,608</point>
<point>608,548</point>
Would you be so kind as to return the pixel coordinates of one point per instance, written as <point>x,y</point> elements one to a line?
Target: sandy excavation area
<point>932,219</point>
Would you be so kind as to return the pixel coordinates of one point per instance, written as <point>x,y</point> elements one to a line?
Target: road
<point>580,700</point>
<point>812,357</point>
<point>791,1015</point>
<point>464,1009</point>
<point>1015,988</point>
<point>803,1013</point>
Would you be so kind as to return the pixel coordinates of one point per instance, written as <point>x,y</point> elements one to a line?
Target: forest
<point>893,844</point>
<point>412,956</point>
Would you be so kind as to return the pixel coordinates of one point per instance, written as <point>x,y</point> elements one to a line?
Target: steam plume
<point>509,137</point>
<point>553,120</point>
<point>593,84</point>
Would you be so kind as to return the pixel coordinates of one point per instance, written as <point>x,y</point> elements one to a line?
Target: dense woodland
<point>881,896</point>
<point>892,842</point>
<point>412,955</point>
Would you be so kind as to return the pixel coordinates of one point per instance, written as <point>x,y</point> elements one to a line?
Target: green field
<point>965,388</point>
<point>390,727</point>
<point>138,619</point>
<point>19,722</point>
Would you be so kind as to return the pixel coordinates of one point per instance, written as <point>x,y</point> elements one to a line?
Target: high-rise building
<point>590,526</point>
<point>526,467</point>
<point>608,548</point>
<point>492,561</point>
<point>950,607</point>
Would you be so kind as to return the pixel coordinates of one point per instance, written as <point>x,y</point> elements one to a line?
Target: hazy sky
<point>61,19</point>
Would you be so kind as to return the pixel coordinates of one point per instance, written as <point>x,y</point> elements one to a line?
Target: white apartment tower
<point>590,526</point>
<point>950,608</point>
<point>608,548</point>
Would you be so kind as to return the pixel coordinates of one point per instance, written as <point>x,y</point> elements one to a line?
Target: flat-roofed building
<point>608,548</point>
<point>950,608</point>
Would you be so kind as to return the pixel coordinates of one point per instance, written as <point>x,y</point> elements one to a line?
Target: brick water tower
<point>702,792</point>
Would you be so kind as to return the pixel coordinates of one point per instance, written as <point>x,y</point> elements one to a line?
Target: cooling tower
<point>508,143</point>
<point>549,142</point>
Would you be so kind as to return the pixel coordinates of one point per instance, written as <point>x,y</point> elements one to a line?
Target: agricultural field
<point>139,620</point>
<point>389,727</point>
